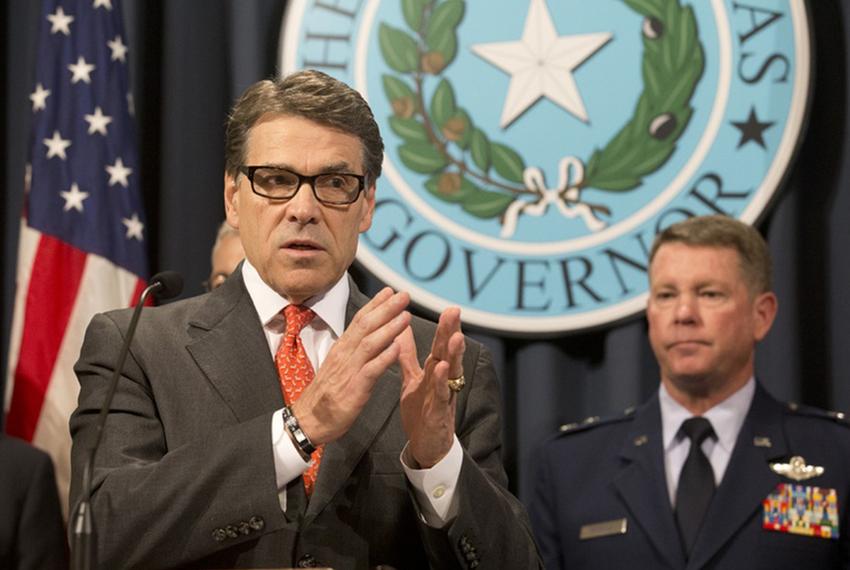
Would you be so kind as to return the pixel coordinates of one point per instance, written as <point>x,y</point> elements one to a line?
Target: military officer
<point>712,471</point>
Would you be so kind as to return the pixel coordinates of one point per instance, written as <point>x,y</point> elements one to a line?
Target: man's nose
<point>686,309</point>
<point>303,206</point>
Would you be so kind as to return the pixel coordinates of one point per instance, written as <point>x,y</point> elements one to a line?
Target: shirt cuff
<point>288,464</point>
<point>434,488</point>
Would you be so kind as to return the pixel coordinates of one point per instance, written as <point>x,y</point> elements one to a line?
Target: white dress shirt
<point>434,488</point>
<point>726,418</point>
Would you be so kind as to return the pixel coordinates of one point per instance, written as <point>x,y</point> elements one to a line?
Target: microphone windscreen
<point>171,284</point>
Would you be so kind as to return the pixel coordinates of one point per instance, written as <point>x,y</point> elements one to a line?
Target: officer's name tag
<point>600,529</point>
<point>801,509</point>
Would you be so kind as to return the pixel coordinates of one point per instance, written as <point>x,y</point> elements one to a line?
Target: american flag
<point>82,240</point>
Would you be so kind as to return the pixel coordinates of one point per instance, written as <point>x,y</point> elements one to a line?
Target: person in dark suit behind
<point>32,532</point>
<point>385,449</point>
<point>765,485</point>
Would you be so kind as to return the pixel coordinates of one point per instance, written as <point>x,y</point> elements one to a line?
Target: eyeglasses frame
<point>249,170</point>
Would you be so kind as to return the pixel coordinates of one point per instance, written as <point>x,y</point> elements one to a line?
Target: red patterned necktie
<point>296,372</point>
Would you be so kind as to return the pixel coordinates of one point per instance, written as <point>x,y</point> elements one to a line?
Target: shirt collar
<point>726,418</point>
<point>329,306</point>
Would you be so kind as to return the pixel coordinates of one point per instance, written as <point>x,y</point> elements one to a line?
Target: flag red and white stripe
<point>82,246</point>
<point>59,290</point>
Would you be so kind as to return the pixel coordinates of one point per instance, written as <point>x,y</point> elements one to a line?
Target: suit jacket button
<point>307,561</point>
<point>231,531</point>
<point>257,523</point>
<point>219,535</point>
<point>244,528</point>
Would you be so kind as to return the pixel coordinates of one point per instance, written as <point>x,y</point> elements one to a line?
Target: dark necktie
<point>696,483</point>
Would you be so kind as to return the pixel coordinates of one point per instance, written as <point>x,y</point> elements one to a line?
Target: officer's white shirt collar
<point>726,418</point>
<point>329,306</point>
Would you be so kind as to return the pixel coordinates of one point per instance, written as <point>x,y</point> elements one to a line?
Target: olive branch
<point>672,66</point>
<point>430,131</point>
<point>441,140</point>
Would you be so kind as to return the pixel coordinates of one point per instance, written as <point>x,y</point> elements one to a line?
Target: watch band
<point>302,442</point>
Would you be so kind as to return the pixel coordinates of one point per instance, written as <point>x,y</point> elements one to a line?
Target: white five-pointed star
<point>39,97</point>
<point>98,121</point>
<point>103,3</point>
<point>134,227</point>
<point>81,70</point>
<point>118,173</point>
<point>74,198</point>
<point>541,64</point>
<point>119,50</point>
<point>56,145</point>
<point>60,22</point>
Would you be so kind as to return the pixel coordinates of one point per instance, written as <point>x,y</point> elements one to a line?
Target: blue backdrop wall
<point>189,59</point>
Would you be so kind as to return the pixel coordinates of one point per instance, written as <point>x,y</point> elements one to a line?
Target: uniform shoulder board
<point>812,411</point>
<point>595,421</point>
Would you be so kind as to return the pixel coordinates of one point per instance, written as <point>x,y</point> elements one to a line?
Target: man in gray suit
<point>387,458</point>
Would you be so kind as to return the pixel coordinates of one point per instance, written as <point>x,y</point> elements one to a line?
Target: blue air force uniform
<point>601,499</point>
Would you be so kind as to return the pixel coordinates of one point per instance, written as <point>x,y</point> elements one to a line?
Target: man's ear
<point>369,204</point>
<point>231,202</point>
<point>765,307</point>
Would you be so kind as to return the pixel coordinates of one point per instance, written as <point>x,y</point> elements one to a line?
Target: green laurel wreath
<point>441,140</point>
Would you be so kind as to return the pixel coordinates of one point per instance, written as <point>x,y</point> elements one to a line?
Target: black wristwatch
<point>302,442</point>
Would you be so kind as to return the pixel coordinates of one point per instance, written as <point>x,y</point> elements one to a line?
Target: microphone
<point>166,284</point>
<point>163,285</point>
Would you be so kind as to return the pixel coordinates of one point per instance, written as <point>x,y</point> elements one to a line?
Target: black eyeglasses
<point>330,188</point>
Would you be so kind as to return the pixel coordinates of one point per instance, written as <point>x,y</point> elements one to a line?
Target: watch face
<point>299,438</point>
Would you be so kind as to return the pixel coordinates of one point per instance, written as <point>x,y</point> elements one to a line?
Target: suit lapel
<point>342,456</point>
<point>231,350</point>
<point>748,478</point>
<point>642,483</point>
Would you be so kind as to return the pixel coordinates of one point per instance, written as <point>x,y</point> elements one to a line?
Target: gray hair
<point>312,95</point>
<point>224,230</point>
<point>723,231</point>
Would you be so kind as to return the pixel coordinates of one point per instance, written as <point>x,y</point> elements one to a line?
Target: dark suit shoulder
<point>199,313</point>
<point>803,411</point>
<point>177,310</point>
<point>203,311</point>
<point>20,456</point>
<point>593,423</point>
<point>809,428</point>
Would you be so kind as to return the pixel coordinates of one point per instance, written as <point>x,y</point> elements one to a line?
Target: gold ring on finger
<point>456,384</point>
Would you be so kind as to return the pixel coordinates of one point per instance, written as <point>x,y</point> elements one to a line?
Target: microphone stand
<point>81,524</point>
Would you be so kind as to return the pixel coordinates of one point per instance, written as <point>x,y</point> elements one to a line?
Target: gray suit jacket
<point>185,474</point>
